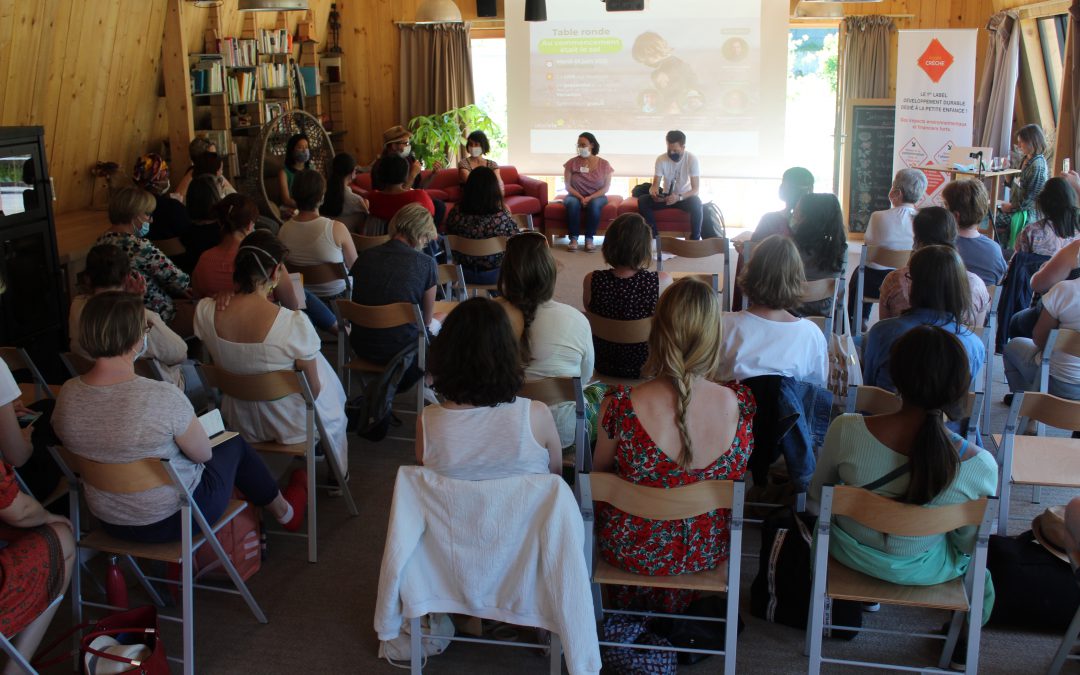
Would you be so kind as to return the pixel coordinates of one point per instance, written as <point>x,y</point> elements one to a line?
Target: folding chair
<point>451,281</point>
<point>381,316</point>
<point>524,221</point>
<point>475,248</point>
<point>877,401</point>
<point>815,291</point>
<point>18,359</point>
<point>77,365</point>
<point>553,391</point>
<point>363,242</point>
<point>1068,641</point>
<point>323,273</point>
<point>619,332</point>
<point>839,582</point>
<point>14,654</point>
<point>986,334</point>
<point>1037,460</point>
<point>701,248</point>
<point>678,503</point>
<point>138,476</point>
<point>878,255</point>
<point>277,385</point>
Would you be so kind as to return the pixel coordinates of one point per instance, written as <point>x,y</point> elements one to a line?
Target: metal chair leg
<point>1067,643</point>
<point>187,591</point>
<point>144,582</point>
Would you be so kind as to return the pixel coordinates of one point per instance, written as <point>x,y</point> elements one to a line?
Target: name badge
<point>583,169</point>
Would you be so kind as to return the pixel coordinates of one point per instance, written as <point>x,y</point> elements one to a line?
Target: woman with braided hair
<point>678,428</point>
<point>556,340</point>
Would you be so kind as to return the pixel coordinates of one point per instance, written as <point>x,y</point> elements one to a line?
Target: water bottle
<point>116,591</point>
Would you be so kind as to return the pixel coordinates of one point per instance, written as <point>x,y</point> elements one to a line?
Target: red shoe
<point>298,477</point>
<point>296,495</point>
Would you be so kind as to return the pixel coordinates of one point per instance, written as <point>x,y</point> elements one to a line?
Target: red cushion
<point>523,204</point>
<point>512,189</point>
<point>509,175</point>
<point>436,194</point>
<point>676,217</point>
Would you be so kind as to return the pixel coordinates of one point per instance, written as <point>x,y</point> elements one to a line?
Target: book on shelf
<point>208,76</point>
<point>238,53</point>
<point>243,87</point>
<point>274,75</point>
<point>275,41</point>
<point>272,110</point>
<point>309,79</point>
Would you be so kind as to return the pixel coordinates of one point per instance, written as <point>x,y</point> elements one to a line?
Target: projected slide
<point>715,70</point>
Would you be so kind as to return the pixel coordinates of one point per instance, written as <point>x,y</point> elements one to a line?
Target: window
<point>489,86</point>
<point>1052,31</point>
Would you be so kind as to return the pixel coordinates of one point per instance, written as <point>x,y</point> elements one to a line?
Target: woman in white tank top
<point>313,239</point>
<point>483,430</point>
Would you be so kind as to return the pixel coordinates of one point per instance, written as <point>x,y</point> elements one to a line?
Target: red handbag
<point>137,626</point>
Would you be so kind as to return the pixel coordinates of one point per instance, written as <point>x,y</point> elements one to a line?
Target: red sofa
<point>670,221</point>
<point>524,195</point>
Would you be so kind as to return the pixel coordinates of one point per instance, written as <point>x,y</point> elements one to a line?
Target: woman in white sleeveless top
<point>313,239</point>
<point>483,430</point>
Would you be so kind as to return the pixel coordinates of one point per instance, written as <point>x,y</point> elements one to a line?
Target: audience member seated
<point>766,338</point>
<point>519,435</point>
<point>1060,225</point>
<point>395,192</point>
<point>939,296</point>
<point>199,146</point>
<point>204,234</point>
<point>889,229</point>
<point>794,184</point>
<point>1021,207</point>
<point>675,185</point>
<point>1022,356</point>
<point>676,429</point>
<point>108,269</point>
<point>25,435</point>
<point>1065,264</point>
<point>556,340</point>
<point>910,456</point>
<point>297,159</point>
<point>476,147</point>
<point>129,217</point>
<point>341,203</point>
<point>626,292</point>
<point>480,215</point>
<point>170,219</point>
<point>969,202</point>
<point>819,234</point>
<point>253,335</point>
<point>111,415</point>
<point>397,271</point>
<point>39,548</point>
<point>588,178</point>
<point>213,275</point>
<point>933,226</point>
<point>212,164</point>
<point>397,143</point>
<point>313,239</point>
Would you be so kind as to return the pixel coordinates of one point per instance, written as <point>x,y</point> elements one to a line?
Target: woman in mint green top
<point>929,368</point>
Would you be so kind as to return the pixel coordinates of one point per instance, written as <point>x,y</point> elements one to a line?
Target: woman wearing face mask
<point>111,415</point>
<point>171,219</point>
<point>476,147</point>
<point>587,178</point>
<point>168,290</point>
<point>297,158</point>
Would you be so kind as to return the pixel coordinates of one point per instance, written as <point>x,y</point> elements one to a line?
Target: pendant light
<point>536,10</point>
<point>272,5</point>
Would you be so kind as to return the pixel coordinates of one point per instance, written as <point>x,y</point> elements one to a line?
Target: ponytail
<point>933,459</point>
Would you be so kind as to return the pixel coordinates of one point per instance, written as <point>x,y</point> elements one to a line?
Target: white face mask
<point>142,349</point>
<point>475,151</point>
<point>406,151</point>
<point>584,152</point>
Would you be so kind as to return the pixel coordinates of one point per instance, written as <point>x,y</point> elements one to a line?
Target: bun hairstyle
<point>929,367</point>
<point>236,213</point>
<point>684,344</point>
<point>259,253</point>
<point>474,359</point>
<point>527,279</point>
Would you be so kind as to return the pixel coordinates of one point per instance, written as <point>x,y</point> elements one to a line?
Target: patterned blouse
<point>1027,186</point>
<point>163,278</point>
<point>1039,238</point>
<point>666,547</point>
<point>499,224</point>
<point>626,299</point>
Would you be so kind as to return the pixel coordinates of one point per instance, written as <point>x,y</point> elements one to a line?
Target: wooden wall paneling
<point>19,34</point>
<point>43,62</point>
<point>101,98</point>
<point>174,67</point>
<point>76,69</point>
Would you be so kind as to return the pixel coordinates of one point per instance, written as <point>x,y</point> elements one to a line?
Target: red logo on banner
<point>934,180</point>
<point>935,60</point>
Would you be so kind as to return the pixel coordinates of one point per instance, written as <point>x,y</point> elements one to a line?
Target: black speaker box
<point>625,5</point>
<point>486,8</point>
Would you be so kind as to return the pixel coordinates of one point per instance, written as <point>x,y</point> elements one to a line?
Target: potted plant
<point>439,137</point>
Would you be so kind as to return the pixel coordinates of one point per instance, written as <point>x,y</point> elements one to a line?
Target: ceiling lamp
<point>535,10</point>
<point>438,11</point>
<point>272,5</point>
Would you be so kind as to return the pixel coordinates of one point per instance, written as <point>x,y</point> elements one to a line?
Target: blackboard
<point>870,131</point>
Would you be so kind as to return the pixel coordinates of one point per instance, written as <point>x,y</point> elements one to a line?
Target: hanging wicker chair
<point>268,157</point>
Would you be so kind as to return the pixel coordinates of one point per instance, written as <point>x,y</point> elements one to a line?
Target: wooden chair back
<point>524,221</point>
<point>873,401</point>
<point>363,242</point>
<point>378,316</point>
<point>253,387</point>
<point>550,390</point>
<point>820,289</point>
<point>907,520</point>
<point>687,248</point>
<point>121,478</point>
<point>452,280</point>
<point>18,359</point>
<point>78,365</point>
<point>686,501</point>
<point>620,332</point>
<point>320,274</point>
<point>1049,409</point>
<point>171,247</point>
<point>375,226</point>
<point>886,257</point>
<point>476,247</point>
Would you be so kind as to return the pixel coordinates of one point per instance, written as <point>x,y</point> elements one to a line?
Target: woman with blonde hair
<point>556,340</point>
<point>678,428</point>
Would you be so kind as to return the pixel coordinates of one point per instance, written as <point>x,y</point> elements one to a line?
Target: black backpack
<point>374,411</point>
<point>1032,588</point>
<point>712,222</point>
<point>780,592</point>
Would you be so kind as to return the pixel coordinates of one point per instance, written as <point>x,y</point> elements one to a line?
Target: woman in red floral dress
<point>676,429</point>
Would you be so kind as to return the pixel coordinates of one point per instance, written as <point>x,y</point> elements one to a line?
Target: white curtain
<point>997,90</point>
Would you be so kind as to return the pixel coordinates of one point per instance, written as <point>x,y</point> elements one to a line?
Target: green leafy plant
<point>440,137</point>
